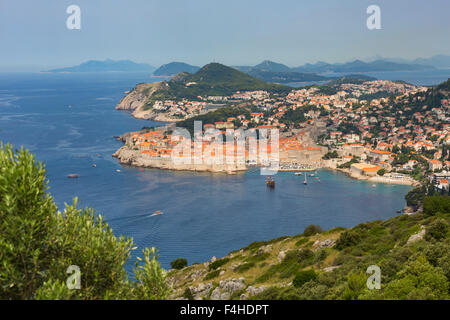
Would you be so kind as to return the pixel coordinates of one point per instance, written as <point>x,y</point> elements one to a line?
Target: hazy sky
<point>34,36</point>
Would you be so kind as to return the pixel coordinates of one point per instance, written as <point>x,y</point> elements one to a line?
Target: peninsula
<point>376,130</point>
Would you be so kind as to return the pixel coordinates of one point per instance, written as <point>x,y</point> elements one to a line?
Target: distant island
<point>173,68</point>
<point>107,66</point>
<point>356,66</point>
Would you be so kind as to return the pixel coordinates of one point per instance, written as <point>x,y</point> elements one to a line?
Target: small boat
<point>72,176</point>
<point>298,173</point>
<point>270,182</point>
<point>374,185</point>
<point>311,174</point>
<point>156,213</point>
<point>305,182</point>
<point>141,169</point>
<point>94,165</point>
<point>117,170</point>
<point>399,211</point>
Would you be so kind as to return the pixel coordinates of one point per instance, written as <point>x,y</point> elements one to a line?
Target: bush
<point>415,197</point>
<point>218,263</point>
<point>436,204</point>
<point>212,274</point>
<point>188,294</point>
<point>356,283</point>
<point>347,239</point>
<point>437,230</point>
<point>301,241</point>
<point>179,263</point>
<point>303,277</point>
<point>39,243</point>
<point>381,172</point>
<point>312,230</point>
<point>244,267</point>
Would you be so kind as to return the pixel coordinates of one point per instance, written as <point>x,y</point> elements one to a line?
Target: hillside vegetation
<point>412,251</point>
<point>40,243</point>
<point>213,79</point>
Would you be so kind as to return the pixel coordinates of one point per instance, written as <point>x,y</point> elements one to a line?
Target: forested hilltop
<point>212,80</point>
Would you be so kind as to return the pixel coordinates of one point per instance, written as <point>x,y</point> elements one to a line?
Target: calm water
<point>69,122</point>
<point>422,78</point>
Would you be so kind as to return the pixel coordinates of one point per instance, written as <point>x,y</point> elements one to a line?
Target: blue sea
<point>418,78</point>
<point>69,120</point>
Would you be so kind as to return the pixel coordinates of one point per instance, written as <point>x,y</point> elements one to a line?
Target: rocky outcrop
<point>136,101</point>
<point>417,236</point>
<point>251,291</point>
<point>137,98</point>
<point>328,243</point>
<point>281,256</point>
<point>226,288</point>
<point>201,291</point>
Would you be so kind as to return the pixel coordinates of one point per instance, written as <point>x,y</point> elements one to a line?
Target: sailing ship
<point>270,182</point>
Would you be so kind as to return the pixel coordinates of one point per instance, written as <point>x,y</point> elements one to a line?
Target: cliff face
<point>136,100</point>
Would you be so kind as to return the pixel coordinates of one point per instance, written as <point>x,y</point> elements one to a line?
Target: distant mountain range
<point>439,61</point>
<point>276,72</point>
<point>173,68</point>
<point>107,66</point>
<point>323,67</point>
<point>360,66</point>
<point>270,71</point>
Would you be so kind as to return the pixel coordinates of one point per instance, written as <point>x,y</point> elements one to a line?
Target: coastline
<point>376,179</point>
<point>134,158</point>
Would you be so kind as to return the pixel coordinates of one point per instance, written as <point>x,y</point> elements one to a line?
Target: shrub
<point>415,197</point>
<point>39,243</point>
<point>356,283</point>
<point>303,277</point>
<point>347,238</point>
<point>301,241</point>
<point>179,263</point>
<point>305,254</point>
<point>188,294</point>
<point>320,256</point>
<point>312,230</point>
<point>271,293</point>
<point>437,230</point>
<point>436,204</point>
<point>244,267</point>
<point>218,263</point>
<point>381,172</point>
<point>212,274</point>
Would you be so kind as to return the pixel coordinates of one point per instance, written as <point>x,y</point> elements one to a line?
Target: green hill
<point>213,79</point>
<point>221,79</point>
